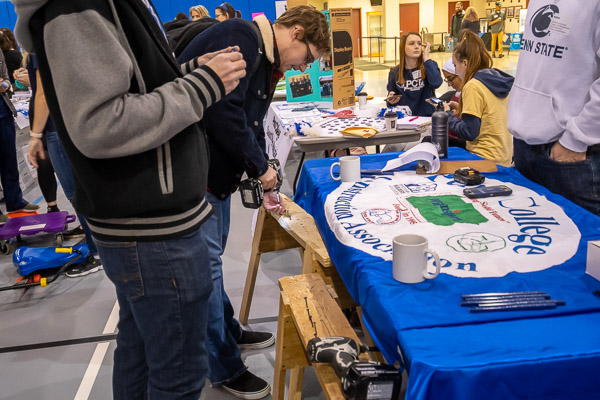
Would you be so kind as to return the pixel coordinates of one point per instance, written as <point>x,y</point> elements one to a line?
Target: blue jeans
<point>578,181</point>
<point>224,360</point>
<point>62,166</point>
<point>163,289</point>
<point>9,170</point>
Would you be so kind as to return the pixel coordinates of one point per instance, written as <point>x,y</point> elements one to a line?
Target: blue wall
<point>167,9</point>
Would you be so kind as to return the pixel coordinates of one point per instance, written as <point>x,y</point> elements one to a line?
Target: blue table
<point>450,353</point>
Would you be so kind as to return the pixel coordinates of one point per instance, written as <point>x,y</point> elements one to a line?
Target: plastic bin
<point>515,41</point>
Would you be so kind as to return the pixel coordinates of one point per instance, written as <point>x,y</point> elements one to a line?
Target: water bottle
<point>439,130</point>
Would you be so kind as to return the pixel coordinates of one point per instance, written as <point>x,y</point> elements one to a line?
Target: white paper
<point>32,227</point>
<point>426,152</point>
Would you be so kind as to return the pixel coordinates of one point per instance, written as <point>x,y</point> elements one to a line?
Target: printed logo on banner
<point>476,242</point>
<point>382,216</point>
<point>446,210</point>
<point>420,187</point>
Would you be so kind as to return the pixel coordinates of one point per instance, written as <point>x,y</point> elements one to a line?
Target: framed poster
<point>510,12</point>
<point>517,11</point>
<point>488,12</point>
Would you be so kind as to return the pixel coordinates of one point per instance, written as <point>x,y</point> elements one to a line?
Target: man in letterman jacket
<point>554,106</point>
<point>128,116</point>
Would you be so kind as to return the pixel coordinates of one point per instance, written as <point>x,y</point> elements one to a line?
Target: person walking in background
<point>12,55</point>
<point>497,21</point>
<point>471,21</point>
<point>128,117</point>
<point>456,22</point>
<point>226,11</point>
<point>9,169</point>
<point>415,78</point>
<point>554,106</point>
<point>482,103</point>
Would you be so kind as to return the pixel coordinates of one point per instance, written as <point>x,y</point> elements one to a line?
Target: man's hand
<point>268,179</point>
<point>209,56</point>
<point>560,153</point>
<point>22,76</point>
<point>36,150</point>
<point>446,106</point>
<point>230,67</point>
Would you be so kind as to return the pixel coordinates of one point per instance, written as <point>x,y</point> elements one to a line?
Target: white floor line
<point>91,373</point>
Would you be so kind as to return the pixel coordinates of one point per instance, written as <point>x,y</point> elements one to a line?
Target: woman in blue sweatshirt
<point>415,78</point>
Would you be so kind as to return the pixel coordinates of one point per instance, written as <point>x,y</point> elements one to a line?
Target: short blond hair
<point>200,10</point>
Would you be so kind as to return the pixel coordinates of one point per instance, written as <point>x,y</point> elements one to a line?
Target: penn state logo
<point>381,216</point>
<point>540,21</point>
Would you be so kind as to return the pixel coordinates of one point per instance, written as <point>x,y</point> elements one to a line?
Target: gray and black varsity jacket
<point>126,114</point>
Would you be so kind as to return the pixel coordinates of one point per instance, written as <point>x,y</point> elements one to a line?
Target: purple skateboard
<point>32,225</point>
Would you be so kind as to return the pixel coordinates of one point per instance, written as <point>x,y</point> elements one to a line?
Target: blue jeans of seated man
<point>578,181</point>
<point>224,360</point>
<point>62,166</point>
<point>9,169</point>
<point>163,289</point>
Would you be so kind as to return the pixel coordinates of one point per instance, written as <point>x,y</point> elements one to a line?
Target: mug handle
<point>438,265</point>
<point>331,172</point>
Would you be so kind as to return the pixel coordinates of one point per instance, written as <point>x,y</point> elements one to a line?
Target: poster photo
<point>314,84</point>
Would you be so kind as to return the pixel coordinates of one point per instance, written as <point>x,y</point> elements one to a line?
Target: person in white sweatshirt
<point>554,106</point>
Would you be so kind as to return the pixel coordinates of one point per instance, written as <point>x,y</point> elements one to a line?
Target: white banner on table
<point>475,238</point>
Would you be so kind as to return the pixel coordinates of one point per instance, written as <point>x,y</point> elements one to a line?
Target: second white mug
<point>410,259</point>
<point>349,169</point>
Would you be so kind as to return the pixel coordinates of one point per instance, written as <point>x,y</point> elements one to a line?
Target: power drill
<point>252,191</point>
<point>359,379</point>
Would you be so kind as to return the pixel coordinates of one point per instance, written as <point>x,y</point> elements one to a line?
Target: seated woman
<point>471,21</point>
<point>482,103</point>
<point>456,83</point>
<point>415,78</point>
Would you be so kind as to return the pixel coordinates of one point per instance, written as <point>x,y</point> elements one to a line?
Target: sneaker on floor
<point>89,266</point>
<point>248,386</point>
<point>3,218</point>
<point>29,208</point>
<point>255,340</point>
<point>74,233</point>
<point>500,55</point>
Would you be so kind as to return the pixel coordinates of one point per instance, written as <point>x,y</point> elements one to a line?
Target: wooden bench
<point>299,231</point>
<point>304,300</point>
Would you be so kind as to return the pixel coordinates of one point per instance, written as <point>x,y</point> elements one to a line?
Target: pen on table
<point>547,305</point>
<point>510,302</point>
<point>465,296</point>
<point>412,119</point>
<point>505,297</point>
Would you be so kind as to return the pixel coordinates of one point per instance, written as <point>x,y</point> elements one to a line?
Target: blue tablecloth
<point>451,353</point>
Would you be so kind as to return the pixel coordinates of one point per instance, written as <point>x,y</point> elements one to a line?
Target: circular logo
<point>540,22</point>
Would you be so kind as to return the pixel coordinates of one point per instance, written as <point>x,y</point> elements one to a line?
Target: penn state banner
<point>475,238</point>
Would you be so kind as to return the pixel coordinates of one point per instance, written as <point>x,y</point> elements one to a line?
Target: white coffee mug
<point>349,169</point>
<point>410,259</point>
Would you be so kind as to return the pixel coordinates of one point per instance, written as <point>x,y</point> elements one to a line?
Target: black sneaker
<point>248,386</point>
<point>89,266</point>
<point>255,340</point>
<point>74,233</point>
